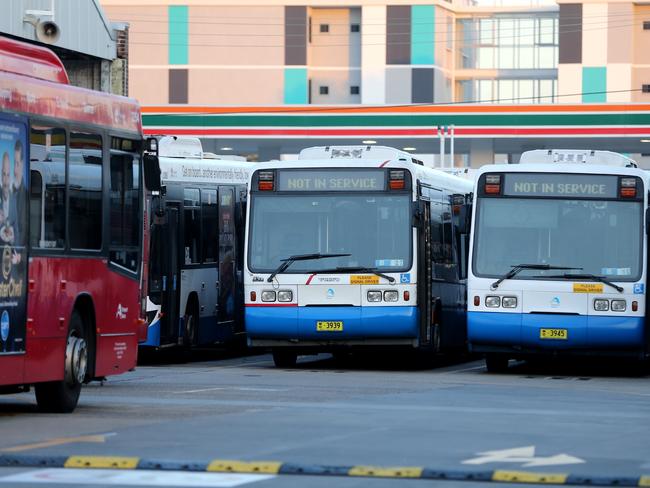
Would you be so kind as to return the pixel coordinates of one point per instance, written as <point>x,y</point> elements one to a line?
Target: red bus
<point>73,227</point>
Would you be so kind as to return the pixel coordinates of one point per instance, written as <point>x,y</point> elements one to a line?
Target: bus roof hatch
<point>180,147</point>
<point>354,152</point>
<point>573,156</point>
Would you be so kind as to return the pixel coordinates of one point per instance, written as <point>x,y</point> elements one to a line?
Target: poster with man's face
<point>13,237</point>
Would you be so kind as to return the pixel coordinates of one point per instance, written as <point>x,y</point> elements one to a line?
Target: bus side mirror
<point>151,172</point>
<point>417,214</point>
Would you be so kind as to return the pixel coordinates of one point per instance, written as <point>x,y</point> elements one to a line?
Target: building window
<point>324,28</point>
<point>645,88</point>
<point>354,90</point>
<point>355,28</point>
<point>324,90</point>
<point>646,25</point>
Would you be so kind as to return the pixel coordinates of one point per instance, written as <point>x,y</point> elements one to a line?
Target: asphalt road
<point>385,411</point>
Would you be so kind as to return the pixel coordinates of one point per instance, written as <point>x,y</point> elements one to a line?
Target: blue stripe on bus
<point>153,335</point>
<point>516,329</point>
<point>358,322</point>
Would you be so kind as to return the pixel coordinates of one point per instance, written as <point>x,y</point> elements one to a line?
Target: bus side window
<point>210,225</point>
<point>35,207</point>
<point>47,154</point>
<point>85,187</point>
<point>442,252</point>
<point>124,229</point>
<point>192,226</point>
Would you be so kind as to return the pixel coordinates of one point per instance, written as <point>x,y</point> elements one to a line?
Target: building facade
<point>242,74</point>
<point>278,52</point>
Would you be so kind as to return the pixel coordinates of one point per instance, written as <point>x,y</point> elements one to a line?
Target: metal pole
<point>451,148</point>
<point>442,147</point>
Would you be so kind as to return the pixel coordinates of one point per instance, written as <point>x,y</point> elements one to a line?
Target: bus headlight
<point>509,302</point>
<point>391,296</point>
<point>492,301</point>
<point>619,305</point>
<point>374,296</point>
<point>285,296</point>
<point>268,296</point>
<point>601,305</point>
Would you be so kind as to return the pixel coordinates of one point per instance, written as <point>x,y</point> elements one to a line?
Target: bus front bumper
<point>271,326</point>
<point>508,332</point>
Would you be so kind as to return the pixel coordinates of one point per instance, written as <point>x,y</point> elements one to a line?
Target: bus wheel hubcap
<point>76,360</point>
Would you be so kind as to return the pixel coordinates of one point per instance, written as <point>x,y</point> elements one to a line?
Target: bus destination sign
<point>331,180</point>
<point>560,185</point>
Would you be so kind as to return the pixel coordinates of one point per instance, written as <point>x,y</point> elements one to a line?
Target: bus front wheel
<point>496,364</point>
<point>62,396</point>
<point>284,359</point>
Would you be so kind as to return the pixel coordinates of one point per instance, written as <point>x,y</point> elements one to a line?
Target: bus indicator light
<point>493,184</point>
<point>265,181</point>
<point>253,296</point>
<point>396,180</point>
<point>635,306</point>
<point>477,300</point>
<point>628,188</point>
<point>407,296</point>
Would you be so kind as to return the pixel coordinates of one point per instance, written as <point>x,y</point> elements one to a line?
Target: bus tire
<point>284,359</point>
<point>190,322</point>
<point>62,396</point>
<point>496,364</point>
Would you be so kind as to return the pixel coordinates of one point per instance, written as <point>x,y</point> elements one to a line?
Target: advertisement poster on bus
<point>13,236</point>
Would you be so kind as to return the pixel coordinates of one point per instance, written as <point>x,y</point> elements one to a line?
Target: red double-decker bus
<point>73,227</point>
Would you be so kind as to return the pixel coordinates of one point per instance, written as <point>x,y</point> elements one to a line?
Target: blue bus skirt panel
<point>153,335</point>
<point>515,329</point>
<point>358,322</point>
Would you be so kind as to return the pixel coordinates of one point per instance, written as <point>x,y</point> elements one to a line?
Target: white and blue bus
<point>355,246</point>
<point>559,257</point>
<point>195,292</point>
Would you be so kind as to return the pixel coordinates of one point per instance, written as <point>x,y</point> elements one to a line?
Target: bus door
<point>227,267</point>
<point>424,270</point>
<point>446,278</point>
<point>170,276</point>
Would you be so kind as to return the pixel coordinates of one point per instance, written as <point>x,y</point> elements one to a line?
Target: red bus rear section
<point>73,222</point>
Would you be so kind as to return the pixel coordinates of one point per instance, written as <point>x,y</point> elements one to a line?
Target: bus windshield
<point>375,230</point>
<point>603,237</point>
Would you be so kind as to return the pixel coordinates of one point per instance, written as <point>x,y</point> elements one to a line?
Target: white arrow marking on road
<point>554,460</point>
<point>524,456</point>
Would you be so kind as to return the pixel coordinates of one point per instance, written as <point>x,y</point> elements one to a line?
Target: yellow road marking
<point>396,472</point>
<point>226,466</point>
<point>56,442</point>
<point>528,477</point>
<point>115,462</point>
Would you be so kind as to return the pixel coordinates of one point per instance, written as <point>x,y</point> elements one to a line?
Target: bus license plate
<point>329,326</point>
<point>554,334</point>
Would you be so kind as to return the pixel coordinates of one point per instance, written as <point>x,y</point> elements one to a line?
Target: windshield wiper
<point>361,269</point>
<point>587,276</point>
<point>301,257</point>
<point>517,268</point>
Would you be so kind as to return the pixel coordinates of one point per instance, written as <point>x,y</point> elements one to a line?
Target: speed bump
<point>297,469</point>
<point>105,462</point>
<point>226,466</point>
<point>383,472</point>
<point>529,477</point>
